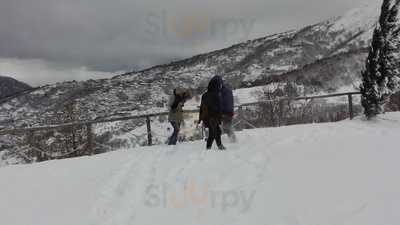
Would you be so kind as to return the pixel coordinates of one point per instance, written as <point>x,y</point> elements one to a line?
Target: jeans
<point>174,137</point>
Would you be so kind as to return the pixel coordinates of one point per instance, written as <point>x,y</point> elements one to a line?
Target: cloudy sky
<point>46,41</point>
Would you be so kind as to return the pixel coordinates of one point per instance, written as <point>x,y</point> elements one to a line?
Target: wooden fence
<point>89,124</point>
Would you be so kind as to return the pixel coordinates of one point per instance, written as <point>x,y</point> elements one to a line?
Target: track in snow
<point>335,173</point>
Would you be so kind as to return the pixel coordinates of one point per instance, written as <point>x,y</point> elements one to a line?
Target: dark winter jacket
<point>210,109</point>
<point>227,104</point>
<point>214,100</point>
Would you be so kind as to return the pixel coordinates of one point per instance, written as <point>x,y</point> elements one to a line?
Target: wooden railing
<point>89,124</point>
<point>348,94</point>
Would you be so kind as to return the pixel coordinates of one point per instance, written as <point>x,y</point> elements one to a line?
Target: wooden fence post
<point>239,117</point>
<point>351,112</point>
<point>149,137</point>
<point>31,145</point>
<point>90,141</point>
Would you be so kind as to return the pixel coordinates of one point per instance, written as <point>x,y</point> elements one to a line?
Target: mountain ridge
<point>10,86</point>
<point>322,58</point>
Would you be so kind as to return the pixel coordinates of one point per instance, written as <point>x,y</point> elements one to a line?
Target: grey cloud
<point>123,35</point>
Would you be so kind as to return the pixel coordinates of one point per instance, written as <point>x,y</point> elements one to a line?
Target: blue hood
<point>215,84</point>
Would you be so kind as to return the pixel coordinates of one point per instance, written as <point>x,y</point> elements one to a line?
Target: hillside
<point>10,86</point>
<point>334,173</point>
<point>300,55</point>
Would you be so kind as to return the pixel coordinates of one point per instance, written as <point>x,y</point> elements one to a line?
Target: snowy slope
<point>337,173</point>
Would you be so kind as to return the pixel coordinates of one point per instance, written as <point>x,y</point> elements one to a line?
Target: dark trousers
<point>174,137</point>
<point>214,134</point>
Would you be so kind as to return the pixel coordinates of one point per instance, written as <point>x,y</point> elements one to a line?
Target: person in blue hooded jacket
<point>211,112</point>
<point>228,111</point>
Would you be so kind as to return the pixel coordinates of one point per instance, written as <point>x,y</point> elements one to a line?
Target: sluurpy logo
<point>194,28</point>
<point>190,193</point>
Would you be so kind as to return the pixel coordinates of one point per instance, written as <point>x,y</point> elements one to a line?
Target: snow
<point>334,173</point>
<point>254,73</point>
<point>362,19</point>
<point>6,160</point>
<point>247,95</point>
<point>283,67</point>
<point>7,106</point>
<point>358,18</point>
<point>40,91</point>
<point>253,94</point>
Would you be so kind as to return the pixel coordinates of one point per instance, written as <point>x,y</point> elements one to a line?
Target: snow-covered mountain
<point>333,173</point>
<point>325,57</point>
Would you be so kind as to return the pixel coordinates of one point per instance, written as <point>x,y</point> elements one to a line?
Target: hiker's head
<point>184,93</point>
<point>187,94</point>
<point>215,83</point>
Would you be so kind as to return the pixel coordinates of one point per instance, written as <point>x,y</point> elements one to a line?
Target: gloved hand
<point>199,124</point>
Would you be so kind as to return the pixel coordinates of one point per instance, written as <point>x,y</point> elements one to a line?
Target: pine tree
<point>381,76</point>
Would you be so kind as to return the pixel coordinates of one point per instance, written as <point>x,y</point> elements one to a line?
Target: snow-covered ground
<point>335,173</point>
